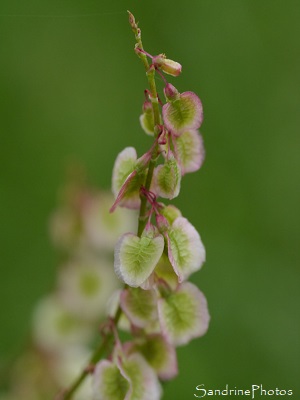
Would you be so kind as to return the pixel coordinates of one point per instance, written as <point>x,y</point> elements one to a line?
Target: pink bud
<point>147,106</point>
<point>162,223</point>
<point>132,21</point>
<point>171,92</point>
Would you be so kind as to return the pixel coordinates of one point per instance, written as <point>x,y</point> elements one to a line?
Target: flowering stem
<point>143,208</point>
<point>150,72</point>
<point>108,338</point>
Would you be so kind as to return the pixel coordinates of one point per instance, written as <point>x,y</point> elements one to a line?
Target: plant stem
<point>108,338</point>
<point>150,72</point>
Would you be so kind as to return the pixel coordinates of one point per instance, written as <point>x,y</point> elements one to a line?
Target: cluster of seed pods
<point>163,310</point>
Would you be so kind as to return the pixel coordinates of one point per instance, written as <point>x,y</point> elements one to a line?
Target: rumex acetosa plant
<point>157,304</point>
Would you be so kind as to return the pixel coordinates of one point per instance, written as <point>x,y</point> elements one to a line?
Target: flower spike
<point>154,303</point>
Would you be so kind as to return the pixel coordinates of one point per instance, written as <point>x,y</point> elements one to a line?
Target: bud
<point>162,223</point>
<point>147,106</point>
<point>168,66</point>
<point>132,22</point>
<point>171,92</point>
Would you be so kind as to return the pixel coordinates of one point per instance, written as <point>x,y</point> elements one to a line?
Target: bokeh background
<point>72,89</point>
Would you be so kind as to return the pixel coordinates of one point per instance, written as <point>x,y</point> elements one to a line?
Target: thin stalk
<point>150,72</point>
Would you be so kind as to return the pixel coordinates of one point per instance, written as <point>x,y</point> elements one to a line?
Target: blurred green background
<point>72,88</point>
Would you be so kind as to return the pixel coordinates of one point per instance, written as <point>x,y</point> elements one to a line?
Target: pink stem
<point>143,52</point>
<point>162,75</point>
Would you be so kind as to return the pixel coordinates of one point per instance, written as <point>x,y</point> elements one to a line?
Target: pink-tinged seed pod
<point>136,257</point>
<point>185,248</point>
<point>158,352</point>
<point>166,65</point>
<point>128,176</point>
<point>140,306</point>
<point>182,112</point>
<point>171,67</point>
<point>125,378</point>
<point>183,314</point>
<point>167,178</point>
<point>189,150</point>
